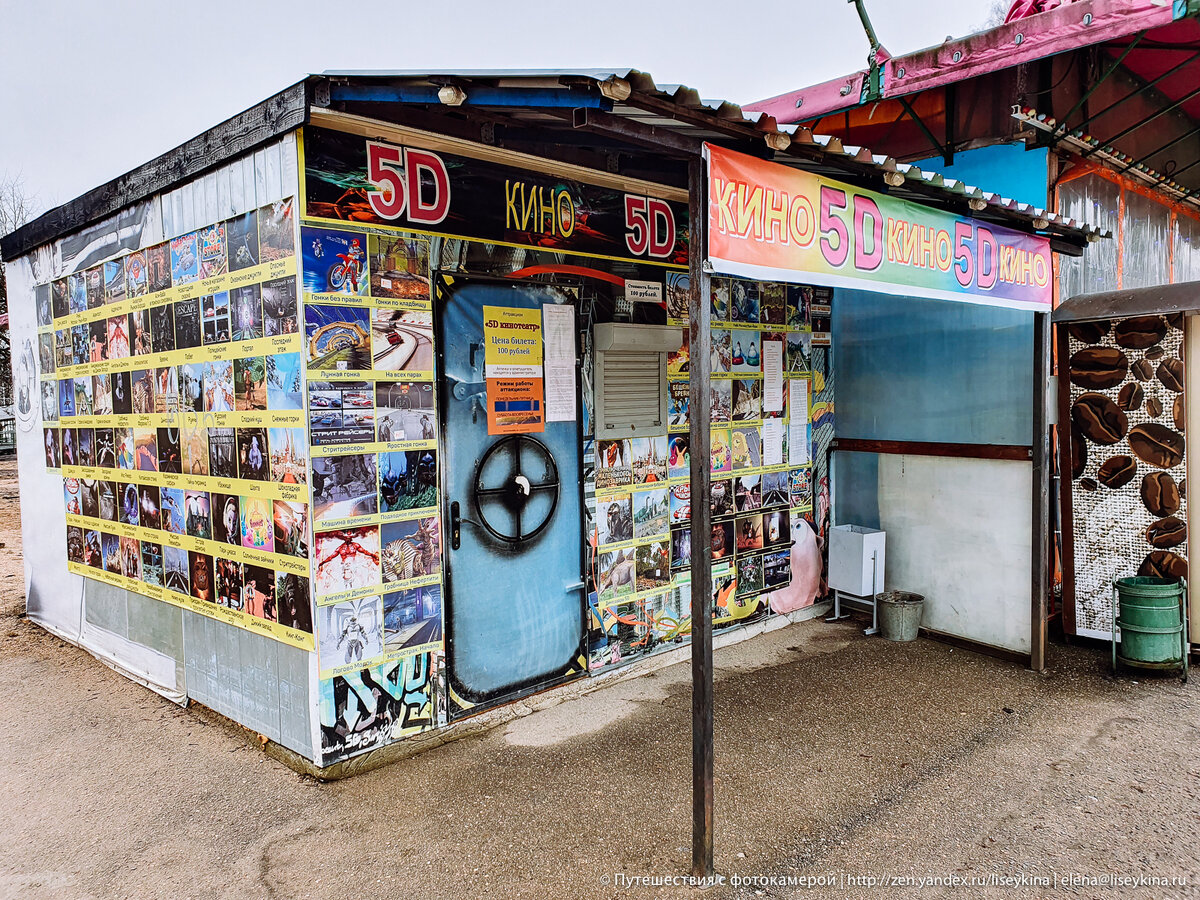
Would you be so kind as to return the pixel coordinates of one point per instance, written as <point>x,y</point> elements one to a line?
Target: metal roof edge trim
<point>1159,299</point>
<point>1079,141</point>
<point>278,114</point>
<point>1022,40</point>
<point>1005,46</point>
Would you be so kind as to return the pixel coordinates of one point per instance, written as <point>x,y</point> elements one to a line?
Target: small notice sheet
<point>772,442</point>
<point>558,321</point>
<point>772,363</point>
<point>798,423</point>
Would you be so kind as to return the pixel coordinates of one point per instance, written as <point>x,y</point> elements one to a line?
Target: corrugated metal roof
<point>812,151</point>
<point>626,93</point>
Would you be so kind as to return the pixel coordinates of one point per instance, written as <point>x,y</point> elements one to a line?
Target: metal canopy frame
<point>1162,111</point>
<point>1058,132</point>
<point>1125,40</point>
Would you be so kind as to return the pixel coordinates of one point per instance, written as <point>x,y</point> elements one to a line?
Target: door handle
<point>456,520</point>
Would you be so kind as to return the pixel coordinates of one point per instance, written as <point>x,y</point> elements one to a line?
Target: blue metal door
<point>512,507</point>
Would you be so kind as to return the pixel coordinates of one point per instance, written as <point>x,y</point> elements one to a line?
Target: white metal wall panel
<point>261,683</point>
<point>973,570</point>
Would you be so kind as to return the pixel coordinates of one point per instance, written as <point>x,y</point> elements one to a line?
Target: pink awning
<point>1067,27</point>
<point>817,100</point>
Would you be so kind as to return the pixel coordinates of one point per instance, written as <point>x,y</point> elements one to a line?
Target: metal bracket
<point>462,390</point>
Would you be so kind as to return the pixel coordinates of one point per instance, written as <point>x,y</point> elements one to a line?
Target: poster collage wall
<point>171,395</point>
<point>372,432</point>
<point>763,334</point>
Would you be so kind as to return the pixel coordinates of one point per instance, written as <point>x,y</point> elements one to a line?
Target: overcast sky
<point>93,89</point>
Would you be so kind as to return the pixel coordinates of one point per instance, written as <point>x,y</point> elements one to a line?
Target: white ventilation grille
<point>631,395</point>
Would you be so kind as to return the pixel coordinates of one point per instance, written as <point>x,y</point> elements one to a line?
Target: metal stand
<point>838,615</point>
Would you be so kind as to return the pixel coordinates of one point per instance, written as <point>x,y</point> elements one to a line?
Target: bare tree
<point>16,208</point>
<point>16,203</point>
<point>996,14</point>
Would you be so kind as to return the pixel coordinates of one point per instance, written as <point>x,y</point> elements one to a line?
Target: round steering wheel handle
<point>518,490</point>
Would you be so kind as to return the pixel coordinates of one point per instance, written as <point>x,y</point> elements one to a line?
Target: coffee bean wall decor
<point>1100,420</point>
<point>1130,396</point>
<point>1140,332</point>
<point>1160,494</point>
<point>1163,564</point>
<point>1127,444</point>
<point>1098,367</point>
<point>1157,445</point>
<point>1117,471</point>
<point>1088,332</point>
<point>1168,532</point>
<point>1079,453</point>
<point>1170,373</point>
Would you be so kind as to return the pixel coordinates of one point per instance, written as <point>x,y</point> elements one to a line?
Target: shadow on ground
<point>835,753</point>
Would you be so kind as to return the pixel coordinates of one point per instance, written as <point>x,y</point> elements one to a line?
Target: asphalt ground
<point>839,758</point>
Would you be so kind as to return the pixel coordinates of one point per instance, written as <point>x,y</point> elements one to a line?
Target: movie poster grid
<point>174,373</point>
<point>642,509</point>
<point>372,426</point>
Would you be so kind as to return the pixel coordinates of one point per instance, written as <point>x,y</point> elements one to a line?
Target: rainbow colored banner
<point>772,222</point>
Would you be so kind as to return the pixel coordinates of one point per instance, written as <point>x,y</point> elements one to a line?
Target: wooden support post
<point>1040,586</point>
<point>699,402</point>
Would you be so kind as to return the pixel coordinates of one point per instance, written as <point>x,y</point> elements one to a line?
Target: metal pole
<point>1062,128</point>
<point>1141,89</point>
<point>1041,491</point>
<point>1146,121</point>
<point>699,403</point>
<point>1166,146</point>
<point>912,113</point>
<point>1177,173</point>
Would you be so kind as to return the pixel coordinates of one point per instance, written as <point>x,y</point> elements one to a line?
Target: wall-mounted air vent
<point>631,378</point>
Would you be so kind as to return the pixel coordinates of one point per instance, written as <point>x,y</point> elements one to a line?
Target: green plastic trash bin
<point>1152,617</point>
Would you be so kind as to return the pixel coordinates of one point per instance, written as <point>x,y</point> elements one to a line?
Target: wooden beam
<point>1040,583</point>
<point>1066,483</point>
<point>699,477</point>
<point>634,132</point>
<point>276,115</point>
<point>401,134</point>
<point>1015,452</point>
